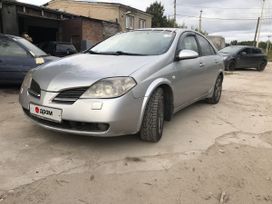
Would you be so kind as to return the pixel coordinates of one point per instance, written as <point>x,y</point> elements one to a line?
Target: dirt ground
<point>208,154</point>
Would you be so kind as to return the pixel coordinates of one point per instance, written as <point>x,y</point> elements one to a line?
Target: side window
<point>188,43</point>
<point>256,51</point>
<point>246,50</point>
<point>11,49</point>
<point>129,22</point>
<point>205,46</point>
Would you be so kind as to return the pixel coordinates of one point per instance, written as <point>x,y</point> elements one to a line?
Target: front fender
<point>151,88</point>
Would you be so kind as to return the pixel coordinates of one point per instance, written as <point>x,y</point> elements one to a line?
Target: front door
<point>188,73</point>
<point>244,58</point>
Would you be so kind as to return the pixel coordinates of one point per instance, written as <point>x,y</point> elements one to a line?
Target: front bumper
<point>122,115</point>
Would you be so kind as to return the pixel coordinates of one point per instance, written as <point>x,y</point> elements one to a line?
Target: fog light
<point>103,126</point>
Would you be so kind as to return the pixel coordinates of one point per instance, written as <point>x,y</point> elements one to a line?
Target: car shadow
<point>109,142</point>
<point>246,70</point>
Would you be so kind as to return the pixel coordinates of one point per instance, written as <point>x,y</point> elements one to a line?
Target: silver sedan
<point>128,84</point>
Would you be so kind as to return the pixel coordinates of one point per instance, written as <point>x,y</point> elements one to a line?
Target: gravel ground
<point>208,154</point>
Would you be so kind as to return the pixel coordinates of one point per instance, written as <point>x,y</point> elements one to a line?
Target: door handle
<point>202,64</point>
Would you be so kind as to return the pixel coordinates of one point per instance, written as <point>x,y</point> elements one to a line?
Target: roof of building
<point>107,3</point>
<point>62,15</point>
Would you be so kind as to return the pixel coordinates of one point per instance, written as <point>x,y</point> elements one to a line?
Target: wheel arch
<point>166,85</point>
<point>220,74</point>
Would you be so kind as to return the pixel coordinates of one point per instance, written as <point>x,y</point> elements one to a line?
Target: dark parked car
<point>59,49</point>
<point>17,57</point>
<point>243,57</point>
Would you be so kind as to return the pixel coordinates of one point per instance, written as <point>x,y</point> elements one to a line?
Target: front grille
<point>34,89</point>
<point>71,125</point>
<point>70,96</point>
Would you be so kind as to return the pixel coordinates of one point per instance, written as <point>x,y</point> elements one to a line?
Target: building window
<point>142,23</point>
<point>129,22</point>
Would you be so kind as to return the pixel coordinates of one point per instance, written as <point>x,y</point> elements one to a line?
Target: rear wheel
<point>262,66</point>
<point>153,121</point>
<point>216,91</point>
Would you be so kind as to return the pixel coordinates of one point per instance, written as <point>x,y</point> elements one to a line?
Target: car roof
<point>165,29</point>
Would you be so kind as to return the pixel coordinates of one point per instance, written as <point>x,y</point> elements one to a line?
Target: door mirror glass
<point>187,54</point>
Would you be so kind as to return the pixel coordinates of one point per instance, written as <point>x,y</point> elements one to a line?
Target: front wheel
<point>153,121</point>
<point>217,91</point>
<point>231,66</point>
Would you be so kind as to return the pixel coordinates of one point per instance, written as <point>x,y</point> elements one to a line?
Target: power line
<point>224,19</point>
<point>194,6</point>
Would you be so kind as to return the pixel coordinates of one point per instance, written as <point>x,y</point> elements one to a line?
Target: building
<point>218,41</point>
<point>128,17</point>
<point>45,24</point>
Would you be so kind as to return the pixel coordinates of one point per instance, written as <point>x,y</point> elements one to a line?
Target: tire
<point>231,66</point>
<point>262,66</point>
<point>217,91</point>
<point>153,121</point>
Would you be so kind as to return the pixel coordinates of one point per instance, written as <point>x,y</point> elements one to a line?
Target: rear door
<point>257,57</point>
<point>209,64</point>
<point>15,61</point>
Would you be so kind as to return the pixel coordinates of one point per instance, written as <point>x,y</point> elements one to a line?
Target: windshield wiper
<point>93,52</point>
<point>44,55</point>
<point>127,53</point>
<point>115,53</point>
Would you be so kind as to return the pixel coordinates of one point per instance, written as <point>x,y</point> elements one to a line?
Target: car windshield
<point>136,43</point>
<point>37,52</point>
<point>230,50</point>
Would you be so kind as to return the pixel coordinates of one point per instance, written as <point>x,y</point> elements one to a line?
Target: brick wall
<point>92,31</point>
<point>97,31</point>
<point>72,31</point>
<point>110,29</point>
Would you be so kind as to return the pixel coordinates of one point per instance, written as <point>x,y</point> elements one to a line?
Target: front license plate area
<point>46,113</point>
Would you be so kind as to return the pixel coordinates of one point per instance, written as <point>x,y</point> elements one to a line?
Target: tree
<point>234,42</point>
<point>156,9</point>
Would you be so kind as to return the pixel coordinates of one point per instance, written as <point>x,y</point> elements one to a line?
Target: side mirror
<point>243,53</point>
<point>187,54</point>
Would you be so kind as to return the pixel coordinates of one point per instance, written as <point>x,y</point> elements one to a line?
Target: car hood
<point>224,54</point>
<point>49,58</point>
<point>85,69</point>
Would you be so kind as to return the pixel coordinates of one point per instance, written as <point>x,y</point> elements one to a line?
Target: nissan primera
<point>128,84</point>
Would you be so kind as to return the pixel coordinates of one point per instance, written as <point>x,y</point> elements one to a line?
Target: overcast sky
<point>215,13</point>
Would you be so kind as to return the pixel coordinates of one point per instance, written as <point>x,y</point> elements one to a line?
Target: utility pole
<point>200,21</point>
<point>260,24</point>
<point>268,44</point>
<point>175,11</point>
<point>256,32</point>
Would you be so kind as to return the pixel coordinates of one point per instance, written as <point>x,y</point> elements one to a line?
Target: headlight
<point>27,81</point>
<point>110,88</point>
<point>225,57</point>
